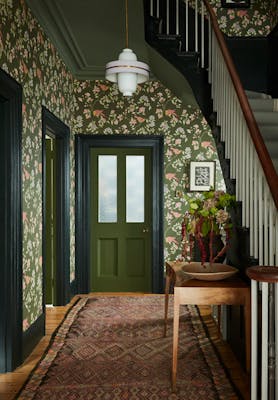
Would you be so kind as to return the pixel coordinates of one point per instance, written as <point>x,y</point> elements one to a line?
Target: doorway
<point>56,210</point>
<point>95,245</point>
<point>10,223</point>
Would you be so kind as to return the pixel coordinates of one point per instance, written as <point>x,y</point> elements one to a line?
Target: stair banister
<point>256,181</point>
<point>258,141</point>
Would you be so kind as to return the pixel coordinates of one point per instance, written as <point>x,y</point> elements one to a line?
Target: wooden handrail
<point>266,162</point>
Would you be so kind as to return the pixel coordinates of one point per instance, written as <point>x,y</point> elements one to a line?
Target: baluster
<point>167,17</point>
<point>177,18</point>
<point>264,378</point>
<point>157,8</point>
<point>209,50</point>
<point>261,208</point>
<point>202,36</point>
<point>196,26</point>
<point>254,338</point>
<point>276,338</point>
<point>151,8</point>
<point>266,222</point>
<point>186,25</point>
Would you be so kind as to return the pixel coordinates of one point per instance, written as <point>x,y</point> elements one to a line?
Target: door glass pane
<point>135,174</point>
<point>107,188</point>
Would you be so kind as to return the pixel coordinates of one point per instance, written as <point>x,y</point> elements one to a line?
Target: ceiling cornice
<point>51,18</point>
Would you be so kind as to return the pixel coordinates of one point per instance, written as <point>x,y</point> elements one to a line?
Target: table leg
<point>175,340</point>
<point>167,289</point>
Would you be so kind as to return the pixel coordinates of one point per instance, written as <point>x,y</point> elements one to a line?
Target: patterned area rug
<point>112,347</point>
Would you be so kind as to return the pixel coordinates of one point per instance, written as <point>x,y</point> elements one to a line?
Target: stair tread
<point>269,131</point>
<point>262,104</point>
<point>256,95</point>
<point>266,117</point>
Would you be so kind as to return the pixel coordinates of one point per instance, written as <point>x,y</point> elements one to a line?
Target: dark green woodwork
<point>33,335</point>
<point>83,146</point>
<point>10,224</point>
<point>120,251</point>
<point>58,131</point>
<point>50,221</point>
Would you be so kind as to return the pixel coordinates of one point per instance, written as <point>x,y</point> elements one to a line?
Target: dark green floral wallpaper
<point>28,56</point>
<point>89,107</point>
<point>153,110</point>
<point>258,20</point>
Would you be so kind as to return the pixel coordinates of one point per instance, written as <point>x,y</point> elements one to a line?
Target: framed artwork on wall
<point>202,176</point>
<point>235,3</point>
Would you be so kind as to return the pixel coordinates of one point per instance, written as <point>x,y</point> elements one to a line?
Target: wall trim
<point>61,132</point>
<point>11,225</point>
<point>33,334</point>
<point>83,143</point>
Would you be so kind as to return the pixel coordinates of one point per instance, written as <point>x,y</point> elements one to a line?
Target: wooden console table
<point>231,291</point>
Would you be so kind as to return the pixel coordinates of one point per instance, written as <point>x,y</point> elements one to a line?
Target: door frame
<point>61,133</point>
<point>83,144</point>
<point>11,333</point>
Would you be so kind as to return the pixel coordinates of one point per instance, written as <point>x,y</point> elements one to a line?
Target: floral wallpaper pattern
<point>29,57</point>
<point>258,20</point>
<point>153,110</point>
<point>96,107</point>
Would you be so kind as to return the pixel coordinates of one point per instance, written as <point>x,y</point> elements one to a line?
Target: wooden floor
<point>11,383</point>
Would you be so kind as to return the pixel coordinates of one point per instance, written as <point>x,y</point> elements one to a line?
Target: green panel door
<point>121,226</point>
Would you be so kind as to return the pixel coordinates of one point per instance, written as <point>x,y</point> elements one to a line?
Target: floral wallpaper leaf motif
<point>96,107</point>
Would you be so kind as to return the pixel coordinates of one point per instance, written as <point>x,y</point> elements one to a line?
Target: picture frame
<point>202,176</point>
<point>235,3</point>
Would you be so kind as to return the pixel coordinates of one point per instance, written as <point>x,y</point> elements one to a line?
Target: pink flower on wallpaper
<point>207,145</point>
<point>242,13</point>
<point>98,113</point>
<point>104,88</point>
<point>195,144</point>
<point>24,217</point>
<point>140,119</point>
<point>26,174</point>
<point>169,113</point>
<point>87,113</point>
<point>171,239</point>
<point>176,214</point>
<point>175,151</point>
<point>25,324</point>
<point>27,279</point>
<point>170,176</point>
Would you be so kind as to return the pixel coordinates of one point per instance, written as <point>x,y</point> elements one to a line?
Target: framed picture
<point>202,176</point>
<point>235,3</point>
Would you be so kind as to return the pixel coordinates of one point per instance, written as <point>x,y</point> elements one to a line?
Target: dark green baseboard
<point>32,336</point>
<point>73,288</point>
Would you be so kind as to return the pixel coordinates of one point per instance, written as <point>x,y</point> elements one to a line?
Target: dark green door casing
<point>83,146</point>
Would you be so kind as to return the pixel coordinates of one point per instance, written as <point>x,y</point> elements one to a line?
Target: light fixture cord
<point>126,24</point>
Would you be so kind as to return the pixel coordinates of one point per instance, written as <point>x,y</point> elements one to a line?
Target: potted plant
<point>208,217</point>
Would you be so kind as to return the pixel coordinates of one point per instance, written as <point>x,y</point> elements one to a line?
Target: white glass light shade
<point>127,71</point>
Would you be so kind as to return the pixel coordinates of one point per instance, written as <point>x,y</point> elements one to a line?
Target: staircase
<point>265,110</point>
<point>245,125</point>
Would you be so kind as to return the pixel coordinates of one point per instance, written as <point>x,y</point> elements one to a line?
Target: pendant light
<point>127,71</point>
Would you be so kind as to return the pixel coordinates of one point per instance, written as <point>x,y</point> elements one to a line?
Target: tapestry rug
<point>112,347</point>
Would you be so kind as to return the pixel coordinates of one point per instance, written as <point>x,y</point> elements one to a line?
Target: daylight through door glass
<point>107,188</point>
<point>135,188</point>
